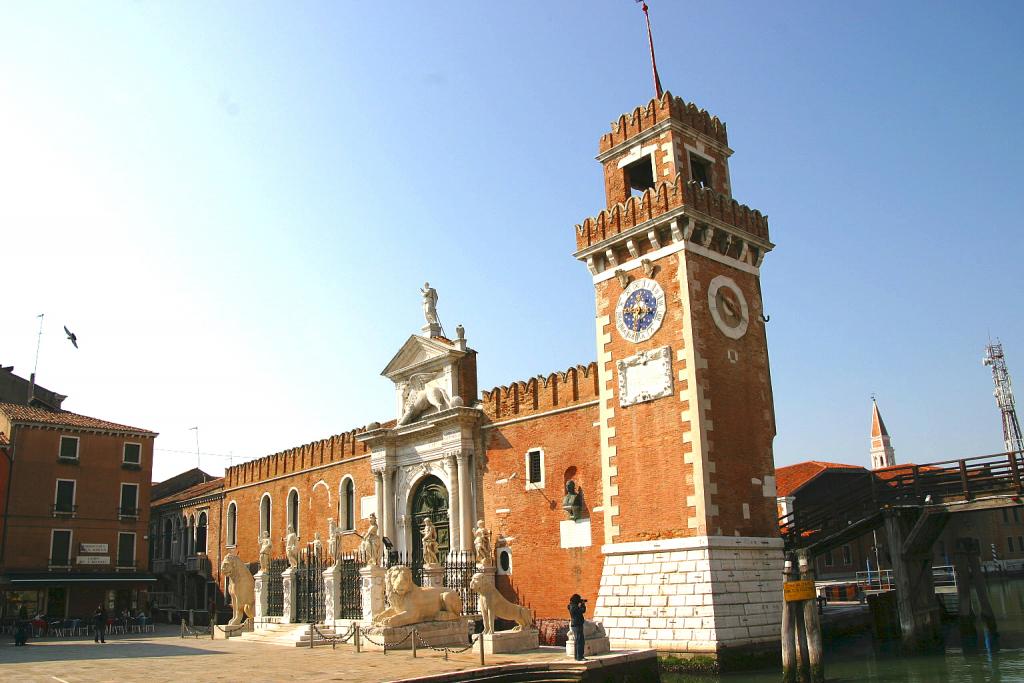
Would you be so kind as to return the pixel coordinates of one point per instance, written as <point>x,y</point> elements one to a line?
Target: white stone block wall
<point>700,594</point>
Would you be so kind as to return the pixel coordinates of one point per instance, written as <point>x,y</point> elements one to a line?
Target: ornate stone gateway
<point>430,501</point>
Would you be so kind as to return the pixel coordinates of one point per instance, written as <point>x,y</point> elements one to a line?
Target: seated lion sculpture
<point>494,605</point>
<point>412,604</point>
<point>241,588</point>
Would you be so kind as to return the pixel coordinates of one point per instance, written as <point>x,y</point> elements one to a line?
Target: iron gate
<point>309,589</point>
<point>349,591</point>
<point>459,568</point>
<point>275,587</point>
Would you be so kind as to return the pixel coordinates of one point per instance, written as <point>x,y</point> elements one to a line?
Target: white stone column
<point>288,588</point>
<point>261,596</point>
<point>332,593</point>
<point>465,504</point>
<point>454,520</point>
<point>389,505</point>
<point>378,493</point>
<point>372,588</point>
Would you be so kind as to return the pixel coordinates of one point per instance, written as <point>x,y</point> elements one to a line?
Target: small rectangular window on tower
<point>700,171</point>
<point>640,175</point>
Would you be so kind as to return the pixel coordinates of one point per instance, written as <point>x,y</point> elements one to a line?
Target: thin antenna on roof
<point>650,40</point>
<point>35,367</point>
<point>196,430</point>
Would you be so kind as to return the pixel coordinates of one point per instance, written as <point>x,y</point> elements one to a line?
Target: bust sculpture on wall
<point>572,502</point>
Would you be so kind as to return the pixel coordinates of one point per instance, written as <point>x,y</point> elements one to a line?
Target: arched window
<point>347,505</point>
<point>265,508</point>
<point>167,539</point>
<point>190,541</point>
<point>201,533</point>
<point>293,510</point>
<point>232,529</point>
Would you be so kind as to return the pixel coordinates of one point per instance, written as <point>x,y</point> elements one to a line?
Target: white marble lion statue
<point>412,604</point>
<point>494,605</point>
<point>241,588</point>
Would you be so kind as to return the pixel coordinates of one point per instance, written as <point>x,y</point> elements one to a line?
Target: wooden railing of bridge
<point>859,506</point>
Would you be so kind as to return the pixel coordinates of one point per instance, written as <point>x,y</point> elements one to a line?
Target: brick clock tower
<point>692,553</point>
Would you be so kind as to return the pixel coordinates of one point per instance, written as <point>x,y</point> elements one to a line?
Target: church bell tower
<point>686,413</point>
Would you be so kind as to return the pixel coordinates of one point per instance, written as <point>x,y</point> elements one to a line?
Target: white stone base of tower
<point>704,594</point>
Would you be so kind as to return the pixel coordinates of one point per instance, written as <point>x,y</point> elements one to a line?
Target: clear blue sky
<point>234,204</point>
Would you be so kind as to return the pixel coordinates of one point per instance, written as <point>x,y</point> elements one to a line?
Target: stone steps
<point>289,635</point>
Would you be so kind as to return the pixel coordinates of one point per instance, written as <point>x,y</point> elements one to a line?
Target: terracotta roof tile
<point>792,477</point>
<point>33,415</point>
<point>195,491</point>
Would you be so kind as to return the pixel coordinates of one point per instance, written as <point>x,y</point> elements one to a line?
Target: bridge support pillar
<point>967,559</point>
<point>912,575</point>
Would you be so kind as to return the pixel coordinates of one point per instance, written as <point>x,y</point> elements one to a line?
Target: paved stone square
<point>164,656</point>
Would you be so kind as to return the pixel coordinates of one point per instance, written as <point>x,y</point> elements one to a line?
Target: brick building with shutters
<point>75,496</point>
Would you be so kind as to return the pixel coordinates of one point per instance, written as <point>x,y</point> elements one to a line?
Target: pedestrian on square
<point>21,632</point>
<point>577,608</point>
<point>99,624</point>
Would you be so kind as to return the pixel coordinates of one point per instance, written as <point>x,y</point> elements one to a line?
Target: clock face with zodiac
<point>640,310</point>
<point>728,307</point>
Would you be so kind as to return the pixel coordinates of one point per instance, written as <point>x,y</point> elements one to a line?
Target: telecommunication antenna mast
<point>995,359</point>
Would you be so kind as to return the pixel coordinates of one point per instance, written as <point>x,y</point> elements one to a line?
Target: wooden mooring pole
<point>812,625</point>
<point>802,654</point>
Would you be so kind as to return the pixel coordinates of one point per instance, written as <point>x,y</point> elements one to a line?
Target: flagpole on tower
<point>35,366</point>
<point>650,41</point>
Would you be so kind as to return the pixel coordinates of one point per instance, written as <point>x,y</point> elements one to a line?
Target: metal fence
<point>349,591</point>
<point>275,587</point>
<point>459,568</point>
<point>309,589</point>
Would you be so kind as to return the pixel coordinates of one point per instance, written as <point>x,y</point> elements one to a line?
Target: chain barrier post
<point>481,639</point>
<point>414,643</point>
<point>355,637</point>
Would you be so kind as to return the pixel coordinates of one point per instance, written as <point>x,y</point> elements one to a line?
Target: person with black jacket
<point>99,624</point>
<point>577,608</point>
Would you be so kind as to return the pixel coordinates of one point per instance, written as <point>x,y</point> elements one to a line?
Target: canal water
<point>860,659</point>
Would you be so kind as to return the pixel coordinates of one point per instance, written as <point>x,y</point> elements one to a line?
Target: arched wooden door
<point>429,501</point>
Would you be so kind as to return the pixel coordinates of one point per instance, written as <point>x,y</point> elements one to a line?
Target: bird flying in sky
<point>71,336</point>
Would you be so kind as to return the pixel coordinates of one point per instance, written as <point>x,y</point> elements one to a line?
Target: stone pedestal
<point>332,589</point>
<point>429,633</point>
<point>260,596</point>
<point>288,588</point>
<point>701,594</point>
<point>511,641</point>
<point>372,587</point>
<point>592,645</point>
<point>433,576</point>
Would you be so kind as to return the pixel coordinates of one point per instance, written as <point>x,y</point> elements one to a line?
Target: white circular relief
<point>728,307</point>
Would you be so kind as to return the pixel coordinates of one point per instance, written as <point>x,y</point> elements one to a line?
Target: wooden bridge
<point>913,505</point>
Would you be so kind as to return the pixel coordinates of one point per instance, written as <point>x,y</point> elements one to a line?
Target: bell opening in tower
<point>640,175</point>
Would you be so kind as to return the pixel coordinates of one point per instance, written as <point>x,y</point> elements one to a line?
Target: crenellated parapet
<point>667,106</point>
<point>332,449</point>
<point>540,394</point>
<point>663,198</point>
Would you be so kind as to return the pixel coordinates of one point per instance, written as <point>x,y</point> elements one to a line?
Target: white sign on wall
<point>367,504</point>
<point>93,559</point>
<point>645,376</point>
<point>92,547</point>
